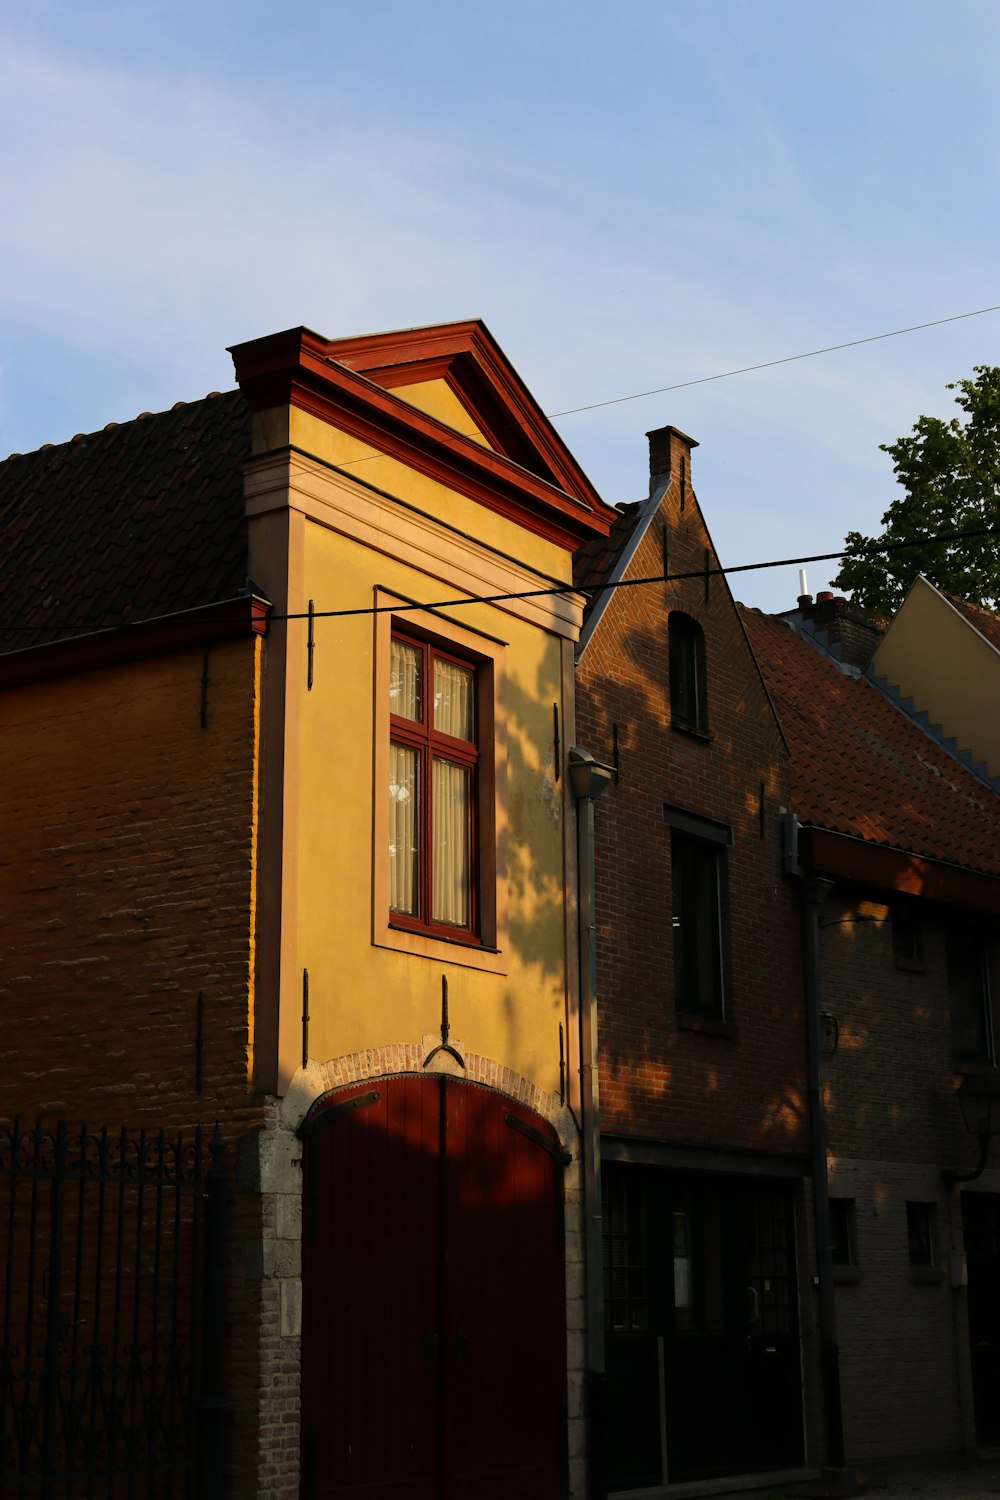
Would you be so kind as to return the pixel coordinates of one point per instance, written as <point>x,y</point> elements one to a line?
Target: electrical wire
<point>871,549</point>
<point>627,583</point>
<point>767,364</point>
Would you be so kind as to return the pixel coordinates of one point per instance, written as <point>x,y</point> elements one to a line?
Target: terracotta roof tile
<point>861,767</point>
<point>141,519</point>
<point>984,620</point>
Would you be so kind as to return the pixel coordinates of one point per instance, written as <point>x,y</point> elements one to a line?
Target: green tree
<point>951,474</point>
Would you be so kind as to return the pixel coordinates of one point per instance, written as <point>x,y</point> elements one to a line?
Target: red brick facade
<point>660,1078</point>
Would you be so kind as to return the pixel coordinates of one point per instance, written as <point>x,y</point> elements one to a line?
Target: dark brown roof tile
<point>142,519</point>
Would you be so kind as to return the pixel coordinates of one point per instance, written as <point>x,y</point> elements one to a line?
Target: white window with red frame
<point>433,768</point>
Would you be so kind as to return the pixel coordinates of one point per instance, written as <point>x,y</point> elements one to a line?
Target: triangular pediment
<point>459,368</point>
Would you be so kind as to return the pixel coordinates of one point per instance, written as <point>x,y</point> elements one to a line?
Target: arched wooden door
<point>434,1333</point>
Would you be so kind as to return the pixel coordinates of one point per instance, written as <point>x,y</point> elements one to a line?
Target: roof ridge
<point>142,416</point>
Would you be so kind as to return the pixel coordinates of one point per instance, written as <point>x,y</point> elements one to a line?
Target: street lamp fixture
<point>979,1100</point>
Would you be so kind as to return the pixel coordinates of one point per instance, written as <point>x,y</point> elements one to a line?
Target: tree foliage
<point>951,474</point>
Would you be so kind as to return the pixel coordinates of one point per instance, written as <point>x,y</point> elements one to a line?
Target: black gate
<point>111,1283</point>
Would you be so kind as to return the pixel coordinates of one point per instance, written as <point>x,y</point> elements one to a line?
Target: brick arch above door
<point>319,1078</point>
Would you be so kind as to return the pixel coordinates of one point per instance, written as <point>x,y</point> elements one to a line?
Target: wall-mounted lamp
<point>979,1101</point>
<point>587,776</point>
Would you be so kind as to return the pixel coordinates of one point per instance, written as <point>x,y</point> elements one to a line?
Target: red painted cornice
<point>846,858</point>
<point>226,621</point>
<point>325,378</point>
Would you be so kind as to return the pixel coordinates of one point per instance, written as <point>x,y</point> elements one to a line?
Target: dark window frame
<point>843,1232</point>
<point>433,744</point>
<point>921,1234</point>
<point>699,902</point>
<point>906,924</point>
<point>687,673</point>
<point>967,970</point>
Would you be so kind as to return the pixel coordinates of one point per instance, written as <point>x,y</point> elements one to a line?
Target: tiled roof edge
<point>934,732</point>
<point>649,510</point>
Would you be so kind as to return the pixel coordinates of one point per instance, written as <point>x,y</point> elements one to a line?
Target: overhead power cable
<point>875,549</point>
<point>872,549</point>
<point>767,364</point>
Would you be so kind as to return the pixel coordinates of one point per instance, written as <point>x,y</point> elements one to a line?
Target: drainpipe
<point>588,778</point>
<point>812,892</point>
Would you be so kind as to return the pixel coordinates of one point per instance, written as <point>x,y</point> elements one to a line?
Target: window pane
<point>920,1233</point>
<point>842,1231</point>
<point>453,699</point>
<point>696,917</point>
<point>626,1278</point>
<point>404,829</point>
<point>451,876</point>
<point>686,647</point>
<point>907,938</point>
<point>968,995</point>
<point>405,684</point>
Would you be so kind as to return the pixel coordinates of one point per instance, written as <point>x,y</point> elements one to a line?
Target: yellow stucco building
<point>313,740</point>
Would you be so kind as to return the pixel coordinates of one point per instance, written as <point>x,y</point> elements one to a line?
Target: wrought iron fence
<point>111,1249</point>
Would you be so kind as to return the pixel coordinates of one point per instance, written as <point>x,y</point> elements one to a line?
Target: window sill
<point>709,1025</point>
<point>692,731</point>
<point>845,1274</point>
<point>927,1274</point>
<point>444,937</point>
<point>472,955</point>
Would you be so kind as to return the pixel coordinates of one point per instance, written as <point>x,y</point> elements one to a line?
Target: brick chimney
<point>670,458</point>
<point>855,630</point>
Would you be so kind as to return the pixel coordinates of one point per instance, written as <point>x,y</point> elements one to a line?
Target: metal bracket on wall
<point>444,1045</point>
<point>554,1148</point>
<point>831,1032</point>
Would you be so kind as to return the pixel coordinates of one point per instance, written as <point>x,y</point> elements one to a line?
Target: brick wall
<point>127,872</point>
<point>660,1079</point>
<point>893,1123</point>
<point>889,1087</point>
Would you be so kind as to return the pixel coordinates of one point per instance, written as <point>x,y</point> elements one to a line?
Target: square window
<point>696,887</point>
<point>920,1233</point>
<point>439,886</point>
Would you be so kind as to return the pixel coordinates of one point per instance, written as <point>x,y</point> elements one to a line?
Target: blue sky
<point>630,195</point>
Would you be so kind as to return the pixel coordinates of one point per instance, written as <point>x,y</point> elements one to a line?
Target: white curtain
<point>452,875</point>
<point>404,681</point>
<point>404,829</point>
<point>453,699</point>
<point>451,791</point>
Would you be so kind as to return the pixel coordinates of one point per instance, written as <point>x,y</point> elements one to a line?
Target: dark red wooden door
<point>434,1345</point>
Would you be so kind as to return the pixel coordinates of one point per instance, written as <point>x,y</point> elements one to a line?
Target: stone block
<point>290,1323</point>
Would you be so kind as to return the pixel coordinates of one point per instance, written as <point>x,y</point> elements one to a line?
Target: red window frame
<point>432,744</point>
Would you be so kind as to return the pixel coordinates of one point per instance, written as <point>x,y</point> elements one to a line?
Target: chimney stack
<point>668,447</point>
<point>855,630</point>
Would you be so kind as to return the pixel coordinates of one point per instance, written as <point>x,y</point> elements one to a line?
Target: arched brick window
<point>688,695</point>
